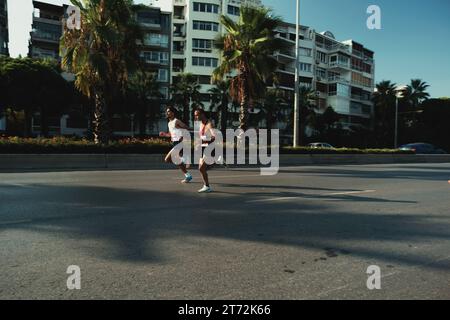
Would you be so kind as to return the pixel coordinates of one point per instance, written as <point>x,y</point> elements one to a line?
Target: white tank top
<point>175,133</point>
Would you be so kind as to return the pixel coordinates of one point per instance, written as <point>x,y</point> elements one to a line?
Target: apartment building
<point>46,31</point>
<point>341,73</point>
<point>155,52</point>
<point>4,28</point>
<point>195,26</point>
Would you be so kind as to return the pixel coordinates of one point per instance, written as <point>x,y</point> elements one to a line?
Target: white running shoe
<point>187,179</point>
<point>205,189</point>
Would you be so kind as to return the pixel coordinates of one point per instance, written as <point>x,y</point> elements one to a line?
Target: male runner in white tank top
<point>176,137</point>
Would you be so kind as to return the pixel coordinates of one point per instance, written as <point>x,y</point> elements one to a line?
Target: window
<point>321,73</point>
<point>165,92</point>
<point>205,62</point>
<point>343,90</point>
<point>155,57</point>
<point>305,67</point>
<point>163,75</point>
<point>47,31</point>
<point>339,89</point>
<point>305,52</point>
<point>149,17</point>
<point>359,79</point>
<point>206,25</point>
<point>233,10</point>
<point>206,7</point>
<point>204,79</point>
<point>201,45</point>
<point>154,39</point>
<point>322,57</point>
<point>307,85</point>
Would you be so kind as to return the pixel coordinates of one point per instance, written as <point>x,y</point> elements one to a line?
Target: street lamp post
<point>297,87</point>
<point>396,123</point>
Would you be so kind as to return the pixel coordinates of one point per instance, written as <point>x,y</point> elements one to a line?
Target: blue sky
<point>413,42</point>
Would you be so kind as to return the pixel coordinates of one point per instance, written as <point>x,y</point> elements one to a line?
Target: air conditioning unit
<point>319,79</point>
<point>317,62</point>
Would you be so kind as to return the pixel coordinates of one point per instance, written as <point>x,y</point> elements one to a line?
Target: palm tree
<point>145,89</point>
<point>384,99</point>
<point>307,113</point>
<point>102,54</point>
<point>220,97</point>
<point>273,106</point>
<point>247,49</point>
<point>186,94</point>
<point>416,92</point>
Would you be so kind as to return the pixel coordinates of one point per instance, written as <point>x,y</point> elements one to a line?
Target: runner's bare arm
<point>164,134</point>
<point>181,125</point>
<point>210,127</point>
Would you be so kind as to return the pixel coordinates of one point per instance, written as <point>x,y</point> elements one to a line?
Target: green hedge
<point>72,145</point>
<point>140,146</point>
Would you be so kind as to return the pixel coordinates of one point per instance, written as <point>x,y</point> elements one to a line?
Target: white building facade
<point>341,73</point>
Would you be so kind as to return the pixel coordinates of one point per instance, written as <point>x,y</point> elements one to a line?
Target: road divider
<point>155,161</point>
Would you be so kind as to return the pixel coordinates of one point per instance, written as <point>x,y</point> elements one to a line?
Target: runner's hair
<point>173,110</point>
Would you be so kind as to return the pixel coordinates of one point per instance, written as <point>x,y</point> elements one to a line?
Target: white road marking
<point>311,195</point>
<point>222,177</point>
<point>349,192</point>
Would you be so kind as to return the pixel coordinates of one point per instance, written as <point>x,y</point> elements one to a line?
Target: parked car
<point>320,145</point>
<point>422,148</point>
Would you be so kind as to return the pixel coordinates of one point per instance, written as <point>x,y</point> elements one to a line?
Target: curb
<point>155,161</point>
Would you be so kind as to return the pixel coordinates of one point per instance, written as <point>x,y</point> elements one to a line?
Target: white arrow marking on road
<point>349,192</point>
<point>312,195</point>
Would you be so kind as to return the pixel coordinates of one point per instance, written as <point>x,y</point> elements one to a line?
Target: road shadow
<point>130,222</point>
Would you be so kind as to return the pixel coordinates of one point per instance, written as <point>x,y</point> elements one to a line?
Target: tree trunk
<point>243,112</point>
<point>142,118</point>
<point>186,113</point>
<point>102,130</point>
<point>27,122</point>
<point>224,116</point>
<point>44,124</point>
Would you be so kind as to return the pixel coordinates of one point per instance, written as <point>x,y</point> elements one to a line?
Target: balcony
<point>338,79</point>
<point>149,25</point>
<point>361,84</point>
<point>357,53</point>
<point>286,39</point>
<point>285,56</point>
<point>361,99</point>
<point>339,47</point>
<point>368,60</point>
<point>45,36</point>
<point>288,70</point>
<point>339,65</point>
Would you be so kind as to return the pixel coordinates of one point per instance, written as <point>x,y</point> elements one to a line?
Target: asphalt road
<point>307,233</point>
